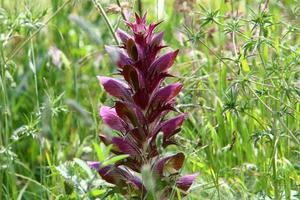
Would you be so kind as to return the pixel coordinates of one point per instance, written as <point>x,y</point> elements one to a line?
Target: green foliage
<point>239,61</point>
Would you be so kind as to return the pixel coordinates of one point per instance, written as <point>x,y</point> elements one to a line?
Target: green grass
<point>240,65</point>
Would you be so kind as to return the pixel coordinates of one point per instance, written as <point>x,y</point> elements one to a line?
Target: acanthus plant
<point>138,116</point>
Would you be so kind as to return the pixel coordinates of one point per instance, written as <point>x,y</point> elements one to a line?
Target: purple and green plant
<point>139,117</point>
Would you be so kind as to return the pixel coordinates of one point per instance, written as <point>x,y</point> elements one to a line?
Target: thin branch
<point>122,13</point>
<point>103,13</point>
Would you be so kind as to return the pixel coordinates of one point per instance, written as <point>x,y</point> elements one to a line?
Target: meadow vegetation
<point>239,62</point>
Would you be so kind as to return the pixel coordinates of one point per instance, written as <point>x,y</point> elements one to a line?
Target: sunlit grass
<point>239,62</point>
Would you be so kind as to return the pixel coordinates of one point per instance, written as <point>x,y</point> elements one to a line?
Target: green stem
<point>122,13</point>
<point>32,59</point>
<point>274,162</point>
<point>4,136</point>
<point>103,13</point>
<point>35,76</point>
<point>140,7</point>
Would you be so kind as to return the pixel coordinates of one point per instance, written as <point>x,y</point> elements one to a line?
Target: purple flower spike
<point>185,182</point>
<point>126,146</point>
<point>164,95</point>
<point>169,164</point>
<point>111,119</point>
<point>139,114</point>
<point>170,126</point>
<point>123,35</point>
<point>163,63</point>
<point>115,88</point>
<point>94,165</point>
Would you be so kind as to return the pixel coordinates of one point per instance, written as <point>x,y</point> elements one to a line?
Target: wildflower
<point>139,113</point>
<point>55,54</point>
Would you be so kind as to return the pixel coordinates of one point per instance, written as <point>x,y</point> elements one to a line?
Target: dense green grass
<point>240,64</point>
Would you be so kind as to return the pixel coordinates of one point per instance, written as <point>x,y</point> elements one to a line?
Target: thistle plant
<point>139,116</point>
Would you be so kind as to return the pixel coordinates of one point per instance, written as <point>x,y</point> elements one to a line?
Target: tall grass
<point>239,62</point>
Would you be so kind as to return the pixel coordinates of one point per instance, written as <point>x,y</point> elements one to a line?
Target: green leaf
<point>100,153</point>
<point>84,166</point>
<point>159,142</point>
<point>244,62</point>
<point>97,192</point>
<point>115,159</point>
<point>178,194</point>
<point>107,150</point>
<point>65,60</point>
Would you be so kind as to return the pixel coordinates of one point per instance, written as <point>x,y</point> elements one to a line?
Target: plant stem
<point>122,13</point>
<point>4,136</point>
<point>274,161</point>
<point>140,7</point>
<point>32,59</point>
<point>103,13</point>
<point>34,68</point>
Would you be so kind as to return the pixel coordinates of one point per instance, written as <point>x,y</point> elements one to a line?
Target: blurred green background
<point>240,65</point>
